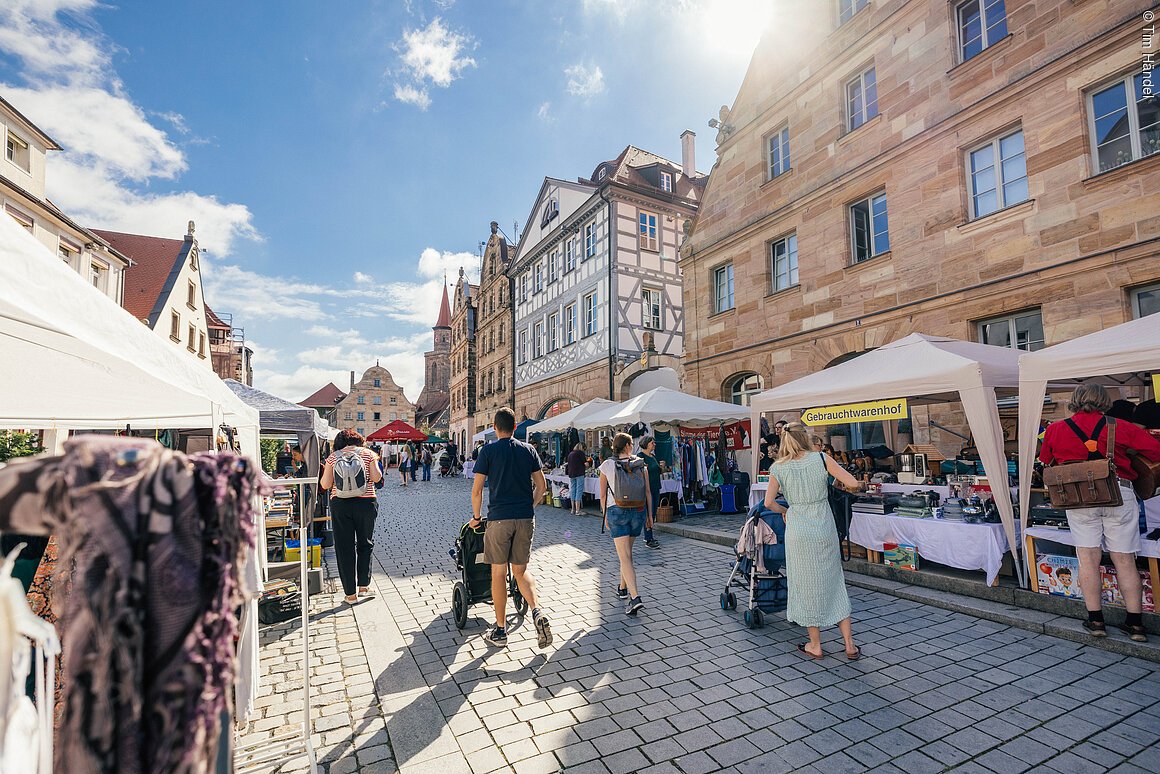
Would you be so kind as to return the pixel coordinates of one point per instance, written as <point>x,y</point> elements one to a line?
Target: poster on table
<point>736,435</point>
<point>1059,576</point>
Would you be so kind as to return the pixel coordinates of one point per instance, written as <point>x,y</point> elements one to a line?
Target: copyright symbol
<point>1149,16</point>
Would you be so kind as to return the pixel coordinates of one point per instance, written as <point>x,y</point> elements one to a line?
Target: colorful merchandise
<point>1058,575</point>
<point>1110,593</point>
<point>900,555</point>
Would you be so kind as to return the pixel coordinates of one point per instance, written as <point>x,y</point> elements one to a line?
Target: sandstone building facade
<point>494,341</point>
<point>463,360</point>
<point>372,401</point>
<point>432,413</point>
<point>979,170</point>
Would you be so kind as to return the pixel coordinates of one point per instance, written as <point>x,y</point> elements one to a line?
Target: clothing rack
<point>260,755</point>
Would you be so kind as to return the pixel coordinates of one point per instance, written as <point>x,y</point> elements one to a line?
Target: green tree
<point>270,447</point>
<point>14,443</point>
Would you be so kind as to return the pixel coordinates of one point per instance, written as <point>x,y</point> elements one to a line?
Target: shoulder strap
<point>1111,438</point>
<point>1093,453</point>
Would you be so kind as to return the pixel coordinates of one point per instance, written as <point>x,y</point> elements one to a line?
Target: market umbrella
<point>436,439</point>
<point>398,430</point>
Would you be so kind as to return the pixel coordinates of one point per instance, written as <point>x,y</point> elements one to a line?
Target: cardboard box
<point>900,555</point>
<point>1058,575</point>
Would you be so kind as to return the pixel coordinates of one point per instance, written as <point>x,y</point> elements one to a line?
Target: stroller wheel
<point>517,598</point>
<point>758,619</point>
<point>730,600</point>
<point>749,619</point>
<point>724,602</point>
<point>459,604</point>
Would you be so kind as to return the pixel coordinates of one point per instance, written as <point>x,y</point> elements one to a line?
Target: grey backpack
<point>628,486</point>
<point>350,475</point>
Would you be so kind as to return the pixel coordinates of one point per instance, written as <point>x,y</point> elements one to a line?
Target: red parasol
<point>397,430</point>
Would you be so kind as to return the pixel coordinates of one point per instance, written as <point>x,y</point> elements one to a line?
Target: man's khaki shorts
<point>508,541</point>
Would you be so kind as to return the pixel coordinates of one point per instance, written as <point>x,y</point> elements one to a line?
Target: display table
<point>953,543</point>
<point>469,469</point>
<point>1149,549</point>
<point>757,490</point>
<point>592,484</point>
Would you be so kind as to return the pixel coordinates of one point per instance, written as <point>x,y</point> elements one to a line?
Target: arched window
<point>743,387</point>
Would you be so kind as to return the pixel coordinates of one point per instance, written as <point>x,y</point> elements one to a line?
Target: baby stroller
<point>757,571</point>
<point>474,584</point>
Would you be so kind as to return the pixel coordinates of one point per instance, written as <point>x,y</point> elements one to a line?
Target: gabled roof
<point>158,264</point>
<point>444,320</point>
<point>327,397</point>
<point>435,405</point>
<point>27,125</point>
<point>213,321</point>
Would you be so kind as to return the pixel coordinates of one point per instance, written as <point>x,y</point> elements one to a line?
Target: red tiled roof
<point>212,320</point>
<point>444,320</point>
<point>155,258</point>
<point>327,397</point>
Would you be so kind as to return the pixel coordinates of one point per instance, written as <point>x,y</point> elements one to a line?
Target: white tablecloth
<point>953,543</point>
<point>1147,547</point>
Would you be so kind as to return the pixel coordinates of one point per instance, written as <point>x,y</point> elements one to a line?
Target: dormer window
<point>666,182</point>
<point>16,151</point>
<point>601,174</point>
<point>551,210</point>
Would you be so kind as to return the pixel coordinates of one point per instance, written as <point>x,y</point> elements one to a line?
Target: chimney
<point>352,380</point>
<point>688,151</point>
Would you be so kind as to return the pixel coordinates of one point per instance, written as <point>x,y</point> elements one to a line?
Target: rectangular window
<point>377,400</point>
<point>191,296</point>
<point>201,345</point>
<point>998,175</point>
<point>553,331</point>
<point>175,326</point>
<point>783,262</point>
<point>1146,301</point>
<point>192,341</point>
<point>539,286</point>
<point>362,415</point>
<point>394,401</point>
<point>666,182</point>
<point>24,220</point>
<point>523,346</point>
<point>553,266</point>
<point>869,228</point>
<point>361,400</point>
<point>377,415</point>
<point>570,324</point>
<point>648,230</point>
<point>590,240</point>
<point>1019,331</point>
<point>569,255</point>
<point>97,274</point>
<point>537,340</point>
<point>378,382</point>
<point>16,150</point>
<point>981,23</point>
<point>523,287</point>
<point>590,321</point>
<point>847,9</point>
<point>67,250</point>
<point>723,288</point>
<point>779,152</point>
<point>1124,122</point>
<point>861,99</point>
<point>651,308</point>
<point>347,415</point>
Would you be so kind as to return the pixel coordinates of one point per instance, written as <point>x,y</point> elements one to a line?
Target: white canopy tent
<point>487,435</point>
<point>927,369</point>
<point>1120,356</point>
<point>76,360</point>
<point>568,419</point>
<point>663,405</point>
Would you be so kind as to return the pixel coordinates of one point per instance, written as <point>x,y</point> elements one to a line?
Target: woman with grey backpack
<point>626,501</point>
<point>350,473</point>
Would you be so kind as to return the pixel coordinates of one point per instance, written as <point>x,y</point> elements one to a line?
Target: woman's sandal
<point>1135,633</point>
<point>857,654</point>
<point>1097,628</point>
<point>366,593</point>
<point>802,648</point>
<point>350,600</point>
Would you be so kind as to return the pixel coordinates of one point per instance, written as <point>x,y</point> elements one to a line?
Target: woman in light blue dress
<point>813,562</point>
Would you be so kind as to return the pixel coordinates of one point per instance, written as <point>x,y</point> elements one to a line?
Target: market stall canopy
<point>486,436</point>
<point>398,430</point>
<point>924,369</point>
<point>77,360</point>
<point>663,404</point>
<point>566,419</point>
<point>280,415</point>
<point>1122,355</point>
<point>437,439</point>
<point>928,368</point>
<point>524,427</point>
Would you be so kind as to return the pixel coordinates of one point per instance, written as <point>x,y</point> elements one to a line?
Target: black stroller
<point>762,580</point>
<point>474,584</point>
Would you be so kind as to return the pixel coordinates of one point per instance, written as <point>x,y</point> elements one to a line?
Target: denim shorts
<point>625,522</point>
<point>578,489</point>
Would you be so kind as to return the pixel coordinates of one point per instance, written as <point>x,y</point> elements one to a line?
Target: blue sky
<point>339,157</point>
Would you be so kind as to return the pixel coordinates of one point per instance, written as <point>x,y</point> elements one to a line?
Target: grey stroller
<point>757,570</point>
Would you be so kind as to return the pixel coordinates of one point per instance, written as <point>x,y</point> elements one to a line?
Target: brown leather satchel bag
<point>1091,483</point>
<point>1147,475</point>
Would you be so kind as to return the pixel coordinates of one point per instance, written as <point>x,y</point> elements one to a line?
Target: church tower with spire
<point>432,406</point>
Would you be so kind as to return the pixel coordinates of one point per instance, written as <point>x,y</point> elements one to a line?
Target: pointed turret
<point>444,320</point>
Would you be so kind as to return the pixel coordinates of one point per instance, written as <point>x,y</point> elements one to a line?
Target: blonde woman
<point>813,564</point>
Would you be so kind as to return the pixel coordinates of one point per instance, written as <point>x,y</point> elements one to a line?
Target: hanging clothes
<point>151,547</point>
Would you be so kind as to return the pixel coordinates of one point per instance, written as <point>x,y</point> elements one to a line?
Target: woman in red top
<point>1114,528</point>
<point>353,518</point>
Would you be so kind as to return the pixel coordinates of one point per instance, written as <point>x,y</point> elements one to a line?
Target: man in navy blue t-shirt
<point>515,483</point>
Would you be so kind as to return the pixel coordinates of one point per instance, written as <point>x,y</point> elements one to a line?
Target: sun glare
<point>733,27</point>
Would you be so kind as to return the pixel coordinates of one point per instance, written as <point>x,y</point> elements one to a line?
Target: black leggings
<point>353,521</point>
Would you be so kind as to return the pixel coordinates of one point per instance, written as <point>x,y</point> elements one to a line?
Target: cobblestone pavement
<point>685,687</point>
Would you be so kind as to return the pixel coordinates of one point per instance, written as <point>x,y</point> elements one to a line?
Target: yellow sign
<point>874,411</point>
<point>1155,386</point>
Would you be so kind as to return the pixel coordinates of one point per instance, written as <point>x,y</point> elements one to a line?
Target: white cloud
<point>413,96</point>
<point>584,81</point>
<point>545,113</point>
<point>432,55</point>
<point>363,278</point>
<point>112,150</point>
